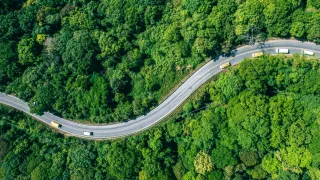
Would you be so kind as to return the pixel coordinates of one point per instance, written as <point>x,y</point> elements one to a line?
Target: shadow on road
<point>229,54</point>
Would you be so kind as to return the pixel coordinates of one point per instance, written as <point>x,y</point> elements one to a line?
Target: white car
<point>282,51</point>
<point>88,133</point>
<point>310,53</point>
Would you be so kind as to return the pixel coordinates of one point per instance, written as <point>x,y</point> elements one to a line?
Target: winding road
<point>170,104</point>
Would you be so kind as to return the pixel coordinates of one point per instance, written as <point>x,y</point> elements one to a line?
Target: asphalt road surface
<point>171,103</point>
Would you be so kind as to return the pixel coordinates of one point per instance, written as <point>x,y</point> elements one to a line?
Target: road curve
<point>170,104</point>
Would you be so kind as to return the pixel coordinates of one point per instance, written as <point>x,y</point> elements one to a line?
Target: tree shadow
<point>228,54</point>
<point>231,53</point>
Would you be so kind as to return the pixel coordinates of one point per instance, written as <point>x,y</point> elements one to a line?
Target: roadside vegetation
<point>261,121</point>
<point>110,60</point>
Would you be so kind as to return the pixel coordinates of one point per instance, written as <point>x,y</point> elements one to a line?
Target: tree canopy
<point>260,121</point>
<point>105,61</point>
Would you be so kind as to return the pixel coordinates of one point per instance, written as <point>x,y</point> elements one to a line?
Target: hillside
<point>261,121</point>
<point>108,61</point>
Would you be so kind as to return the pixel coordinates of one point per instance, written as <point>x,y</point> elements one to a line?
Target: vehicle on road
<point>224,65</point>
<point>282,51</point>
<point>55,124</point>
<point>257,54</point>
<point>88,133</point>
<point>310,53</point>
<point>162,110</point>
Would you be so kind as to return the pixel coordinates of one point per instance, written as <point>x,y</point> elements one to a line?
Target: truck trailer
<point>257,54</point>
<point>55,124</point>
<point>224,65</point>
<point>282,51</point>
<point>306,52</point>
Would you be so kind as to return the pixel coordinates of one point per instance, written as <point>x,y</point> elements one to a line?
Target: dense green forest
<point>262,121</point>
<point>111,60</point>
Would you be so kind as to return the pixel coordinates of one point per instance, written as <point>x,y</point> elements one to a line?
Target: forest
<point>261,121</point>
<point>105,61</point>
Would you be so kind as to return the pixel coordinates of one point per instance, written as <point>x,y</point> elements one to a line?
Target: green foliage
<point>293,157</point>
<point>215,175</point>
<point>4,148</point>
<point>276,18</point>
<point>249,15</point>
<point>27,18</point>
<point>79,157</point>
<point>137,51</point>
<point>58,164</point>
<point>189,176</point>
<point>10,5</point>
<point>229,86</point>
<point>297,29</point>
<point>269,133</point>
<point>8,62</point>
<point>42,100</point>
<point>222,157</point>
<point>33,163</point>
<point>41,171</point>
<point>203,163</point>
<point>27,50</point>
<point>108,61</point>
<point>188,107</point>
<point>271,165</point>
<point>126,161</point>
<point>79,20</point>
<point>313,30</point>
<point>258,173</point>
<point>40,38</point>
<point>315,3</point>
<point>314,173</point>
<point>286,175</point>
<point>179,170</point>
<point>249,158</point>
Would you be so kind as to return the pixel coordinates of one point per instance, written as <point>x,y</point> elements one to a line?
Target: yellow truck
<point>55,124</point>
<point>257,54</point>
<point>224,65</point>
